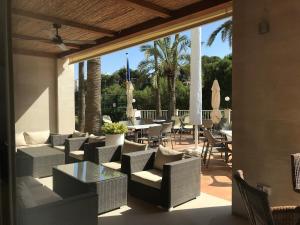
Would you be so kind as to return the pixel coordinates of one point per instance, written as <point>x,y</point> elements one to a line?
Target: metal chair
<point>258,206</point>
<point>295,160</point>
<point>154,135</point>
<point>166,133</point>
<point>215,145</point>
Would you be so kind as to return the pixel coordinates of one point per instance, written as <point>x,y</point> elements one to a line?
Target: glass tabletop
<point>89,172</point>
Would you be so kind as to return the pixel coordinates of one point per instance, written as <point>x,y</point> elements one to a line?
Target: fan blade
<point>30,38</point>
<point>81,42</point>
<point>62,46</point>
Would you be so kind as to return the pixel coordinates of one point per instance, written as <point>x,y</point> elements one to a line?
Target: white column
<point>196,82</point>
<point>65,97</point>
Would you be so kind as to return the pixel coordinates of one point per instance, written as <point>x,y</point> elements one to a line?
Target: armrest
<point>77,210</point>
<point>137,161</point>
<point>73,144</point>
<point>90,151</point>
<point>286,215</point>
<point>58,139</point>
<point>108,153</point>
<point>176,176</point>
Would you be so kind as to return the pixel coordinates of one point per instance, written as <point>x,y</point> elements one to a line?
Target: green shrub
<point>114,128</point>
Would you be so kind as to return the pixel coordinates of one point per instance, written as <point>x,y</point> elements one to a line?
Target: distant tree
<point>93,97</point>
<point>81,98</point>
<point>226,33</point>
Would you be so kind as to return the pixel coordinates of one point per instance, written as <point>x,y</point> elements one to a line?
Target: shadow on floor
<point>192,213</point>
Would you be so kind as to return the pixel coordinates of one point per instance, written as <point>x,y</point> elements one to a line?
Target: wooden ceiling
<point>106,22</point>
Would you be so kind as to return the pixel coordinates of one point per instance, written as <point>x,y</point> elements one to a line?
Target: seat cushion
<point>130,146</point>
<point>113,165</point>
<point>150,178</point>
<point>20,139</point>
<point>79,154</point>
<point>60,147</point>
<point>31,194</point>
<point>165,155</point>
<point>37,137</point>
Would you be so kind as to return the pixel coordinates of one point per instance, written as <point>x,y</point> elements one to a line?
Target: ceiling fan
<point>56,39</point>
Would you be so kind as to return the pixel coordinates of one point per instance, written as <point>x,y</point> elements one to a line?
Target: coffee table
<point>82,177</point>
<point>38,161</point>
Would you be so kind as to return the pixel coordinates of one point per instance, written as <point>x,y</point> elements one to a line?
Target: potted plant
<point>114,133</point>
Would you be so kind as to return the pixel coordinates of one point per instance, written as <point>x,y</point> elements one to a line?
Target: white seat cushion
<point>20,140</point>
<point>79,154</point>
<point>150,178</point>
<point>37,137</point>
<point>113,165</point>
<point>60,147</point>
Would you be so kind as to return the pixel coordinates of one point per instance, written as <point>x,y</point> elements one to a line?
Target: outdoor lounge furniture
<point>165,184</point>
<point>38,205</point>
<point>295,161</point>
<point>38,161</point>
<point>215,145</point>
<point>111,156</point>
<point>81,148</point>
<point>77,178</point>
<point>258,206</point>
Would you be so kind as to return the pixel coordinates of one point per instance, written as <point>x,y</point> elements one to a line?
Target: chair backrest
<point>176,122</point>
<point>167,128</point>
<point>295,160</point>
<point>208,124</point>
<point>186,119</point>
<point>154,131</point>
<point>210,138</point>
<point>255,201</point>
<point>106,119</point>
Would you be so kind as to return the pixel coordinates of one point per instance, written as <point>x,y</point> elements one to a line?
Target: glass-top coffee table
<point>77,178</point>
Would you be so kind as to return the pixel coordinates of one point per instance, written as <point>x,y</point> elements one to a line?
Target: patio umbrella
<point>215,115</point>
<point>129,92</point>
<point>196,82</point>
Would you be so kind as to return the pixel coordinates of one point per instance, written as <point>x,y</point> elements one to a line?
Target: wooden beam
<point>34,53</point>
<point>196,14</point>
<point>52,19</point>
<point>150,7</point>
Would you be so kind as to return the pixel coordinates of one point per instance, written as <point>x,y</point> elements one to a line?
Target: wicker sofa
<point>176,183</point>
<point>37,204</point>
<point>82,148</point>
<point>111,156</point>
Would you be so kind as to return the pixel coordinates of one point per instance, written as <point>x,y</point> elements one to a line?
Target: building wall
<point>35,93</point>
<point>44,94</point>
<point>266,96</point>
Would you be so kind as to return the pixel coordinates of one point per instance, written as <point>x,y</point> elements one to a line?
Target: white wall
<point>35,91</point>
<point>44,94</point>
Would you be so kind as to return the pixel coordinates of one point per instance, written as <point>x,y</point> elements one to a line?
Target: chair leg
<point>210,151</point>
<point>205,153</point>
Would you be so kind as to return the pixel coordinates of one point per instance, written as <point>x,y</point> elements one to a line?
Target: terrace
<point>38,95</point>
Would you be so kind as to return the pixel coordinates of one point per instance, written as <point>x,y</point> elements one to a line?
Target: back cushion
<point>38,137</point>
<point>20,139</point>
<point>165,155</point>
<point>79,134</point>
<point>133,147</point>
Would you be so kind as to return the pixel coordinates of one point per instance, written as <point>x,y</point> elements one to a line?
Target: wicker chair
<point>295,159</point>
<point>258,206</point>
<point>179,179</point>
<point>166,133</point>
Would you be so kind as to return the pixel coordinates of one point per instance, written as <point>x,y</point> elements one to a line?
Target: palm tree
<point>151,64</point>
<point>81,98</point>
<point>93,97</point>
<point>172,55</point>
<point>226,33</point>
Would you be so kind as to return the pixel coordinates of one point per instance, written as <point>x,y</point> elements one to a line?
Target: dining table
<point>138,128</point>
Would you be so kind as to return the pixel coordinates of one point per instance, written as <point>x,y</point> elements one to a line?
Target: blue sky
<point>116,60</point>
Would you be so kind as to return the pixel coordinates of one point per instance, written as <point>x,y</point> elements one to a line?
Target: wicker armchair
<point>258,207</point>
<point>295,159</point>
<point>179,179</point>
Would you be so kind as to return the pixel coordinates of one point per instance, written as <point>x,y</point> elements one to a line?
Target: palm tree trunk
<point>81,98</point>
<point>93,97</point>
<point>173,96</point>
<point>158,98</point>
